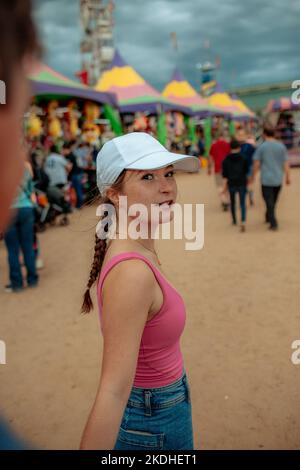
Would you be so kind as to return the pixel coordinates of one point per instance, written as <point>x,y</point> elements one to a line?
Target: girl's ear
<point>112,195</point>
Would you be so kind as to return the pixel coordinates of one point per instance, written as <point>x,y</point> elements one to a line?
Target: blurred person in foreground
<point>272,161</point>
<point>19,48</point>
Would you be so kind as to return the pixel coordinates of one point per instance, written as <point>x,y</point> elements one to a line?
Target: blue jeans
<point>242,191</point>
<point>76,181</point>
<point>20,235</point>
<point>158,419</point>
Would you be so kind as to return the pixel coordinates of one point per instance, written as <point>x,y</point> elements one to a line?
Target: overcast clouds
<point>257,41</point>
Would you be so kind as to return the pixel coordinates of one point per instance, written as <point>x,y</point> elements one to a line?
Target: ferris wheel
<point>96,47</point>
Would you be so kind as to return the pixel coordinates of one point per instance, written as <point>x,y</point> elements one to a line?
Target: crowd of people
<point>56,184</point>
<point>236,165</point>
<point>53,186</point>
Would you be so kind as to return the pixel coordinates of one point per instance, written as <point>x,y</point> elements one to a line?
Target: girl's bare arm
<point>127,298</point>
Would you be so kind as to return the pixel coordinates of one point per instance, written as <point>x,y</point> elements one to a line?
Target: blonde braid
<point>100,246</point>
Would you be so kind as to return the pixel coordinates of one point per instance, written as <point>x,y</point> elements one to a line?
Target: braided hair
<point>99,253</point>
<point>100,249</point>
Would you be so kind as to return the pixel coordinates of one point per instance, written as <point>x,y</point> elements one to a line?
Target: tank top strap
<point>125,256</point>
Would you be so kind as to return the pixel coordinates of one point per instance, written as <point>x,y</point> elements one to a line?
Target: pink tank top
<point>160,360</point>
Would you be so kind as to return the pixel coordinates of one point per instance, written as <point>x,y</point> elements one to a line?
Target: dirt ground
<point>242,296</point>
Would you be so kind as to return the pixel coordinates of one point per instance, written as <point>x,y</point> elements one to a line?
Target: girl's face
<point>152,188</point>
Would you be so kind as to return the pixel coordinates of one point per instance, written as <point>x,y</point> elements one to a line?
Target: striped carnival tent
<point>48,83</point>
<point>133,92</point>
<point>234,107</point>
<point>179,90</point>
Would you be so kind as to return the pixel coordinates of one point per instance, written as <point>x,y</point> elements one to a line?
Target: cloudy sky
<point>257,40</point>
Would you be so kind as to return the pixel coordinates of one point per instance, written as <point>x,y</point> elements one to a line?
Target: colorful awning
<point>282,104</point>
<point>48,82</point>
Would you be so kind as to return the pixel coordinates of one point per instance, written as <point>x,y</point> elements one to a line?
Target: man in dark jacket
<point>234,171</point>
<point>247,149</point>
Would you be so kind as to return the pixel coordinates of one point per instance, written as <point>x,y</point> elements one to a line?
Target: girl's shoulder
<point>121,250</point>
<point>124,248</point>
<point>133,272</point>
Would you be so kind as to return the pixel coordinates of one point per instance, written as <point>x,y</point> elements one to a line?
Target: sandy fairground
<point>242,295</point>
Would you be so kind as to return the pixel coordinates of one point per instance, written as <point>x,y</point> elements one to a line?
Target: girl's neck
<point>145,245</point>
<point>143,236</point>
<point>148,243</point>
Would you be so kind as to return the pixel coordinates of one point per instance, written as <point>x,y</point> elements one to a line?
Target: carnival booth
<point>65,109</point>
<point>284,115</point>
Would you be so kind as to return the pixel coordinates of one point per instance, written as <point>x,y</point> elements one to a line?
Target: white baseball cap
<point>137,151</point>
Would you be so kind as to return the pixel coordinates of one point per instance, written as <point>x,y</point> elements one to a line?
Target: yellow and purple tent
<point>179,90</point>
<point>235,107</point>
<point>48,83</point>
<point>133,92</point>
<point>243,108</point>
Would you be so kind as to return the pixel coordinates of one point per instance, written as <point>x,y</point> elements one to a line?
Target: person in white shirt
<point>57,168</point>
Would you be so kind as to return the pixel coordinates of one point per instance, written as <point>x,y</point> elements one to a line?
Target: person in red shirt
<point>218,151</point>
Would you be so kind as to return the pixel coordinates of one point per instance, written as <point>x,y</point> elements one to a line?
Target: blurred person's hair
<point>54,148</point>
<point>174,147</point>
<point>241,135</point>
<point>18,38</point>
<point>67,146</point>
<point>235,144</point>
<point>269,131</point>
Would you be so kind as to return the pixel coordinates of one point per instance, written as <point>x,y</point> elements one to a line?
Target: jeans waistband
<point>150,399</point>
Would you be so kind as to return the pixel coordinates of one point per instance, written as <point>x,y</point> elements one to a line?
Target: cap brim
<point>157,160</point>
